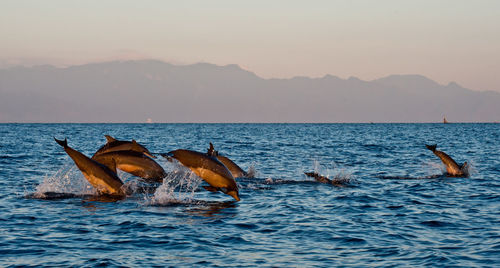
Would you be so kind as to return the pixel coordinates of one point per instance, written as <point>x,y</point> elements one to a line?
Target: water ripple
<point>399,210</point>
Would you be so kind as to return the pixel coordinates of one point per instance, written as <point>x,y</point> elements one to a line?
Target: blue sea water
<point>393,212</point>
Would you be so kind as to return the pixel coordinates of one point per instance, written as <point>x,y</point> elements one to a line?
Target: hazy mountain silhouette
<point>132,91</point>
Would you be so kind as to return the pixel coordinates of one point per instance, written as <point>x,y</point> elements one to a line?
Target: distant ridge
<point>135,91</point>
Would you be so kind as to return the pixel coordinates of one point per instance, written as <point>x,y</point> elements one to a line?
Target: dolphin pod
<point>236,171</point>
<point>102,178</point>
<point>209,169</point>
<point>133,162</point>
<point>452,168</point>
<point>131,157</point>
<point>218,171</point>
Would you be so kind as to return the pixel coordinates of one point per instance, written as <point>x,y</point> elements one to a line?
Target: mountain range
<point>135,91</point>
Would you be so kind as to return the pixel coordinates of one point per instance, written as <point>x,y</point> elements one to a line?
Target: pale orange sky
<point>447,40</point>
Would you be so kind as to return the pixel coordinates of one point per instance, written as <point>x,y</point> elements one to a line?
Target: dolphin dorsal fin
<point>211,150</point>
<point>109,138</point>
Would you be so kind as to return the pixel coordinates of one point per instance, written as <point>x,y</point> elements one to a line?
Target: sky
<point>445,40</point>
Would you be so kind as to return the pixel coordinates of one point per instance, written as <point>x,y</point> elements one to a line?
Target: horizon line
<point>291,123</point>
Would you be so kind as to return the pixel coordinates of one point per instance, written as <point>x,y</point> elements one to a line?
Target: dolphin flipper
<point>210,188</point>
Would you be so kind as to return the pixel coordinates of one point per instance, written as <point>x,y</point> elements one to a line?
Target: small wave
<point>210,209</point>
<point>265,184</point>
<point>437,176</point>
<point>14,157</point>
<point>51,195</point>
<point>395,207</point>
<point>434,223</point>
<point>354,240</point>
<point>376,147</point>
<point>85,197</point>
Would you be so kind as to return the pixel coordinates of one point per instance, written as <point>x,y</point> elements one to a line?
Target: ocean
<point>396,207</point>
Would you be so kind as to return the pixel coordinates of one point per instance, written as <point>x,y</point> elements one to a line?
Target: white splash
<point>252,171</point>
<point>67,179</point>
<point>178,187</point>
<point>334,173</point>
<point>431,166</point>
<point>471,167</point>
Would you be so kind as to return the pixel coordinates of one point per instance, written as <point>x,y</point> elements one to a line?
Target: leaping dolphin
<point>133,162</point>
<point>117,145</point>
<point>101,177</point>
<point>452,168</point>
<point>209,169</point>
<point>235,170</point>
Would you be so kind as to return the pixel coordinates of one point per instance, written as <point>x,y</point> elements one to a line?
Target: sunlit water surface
<point>393,211</point>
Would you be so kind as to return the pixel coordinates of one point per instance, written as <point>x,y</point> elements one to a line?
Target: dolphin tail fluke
<point>431,147</point>
<point>63,143</point>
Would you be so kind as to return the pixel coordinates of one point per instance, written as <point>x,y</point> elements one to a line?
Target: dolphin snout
<point>234,194</point>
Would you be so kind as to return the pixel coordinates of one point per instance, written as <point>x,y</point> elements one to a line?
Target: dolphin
<point>117,145</point>
<point>323,179</point>
<point>235,170</point>
<point>452,168</point>
<point>209,169</point>
<point>133,162</point>
<point>101,177</point>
